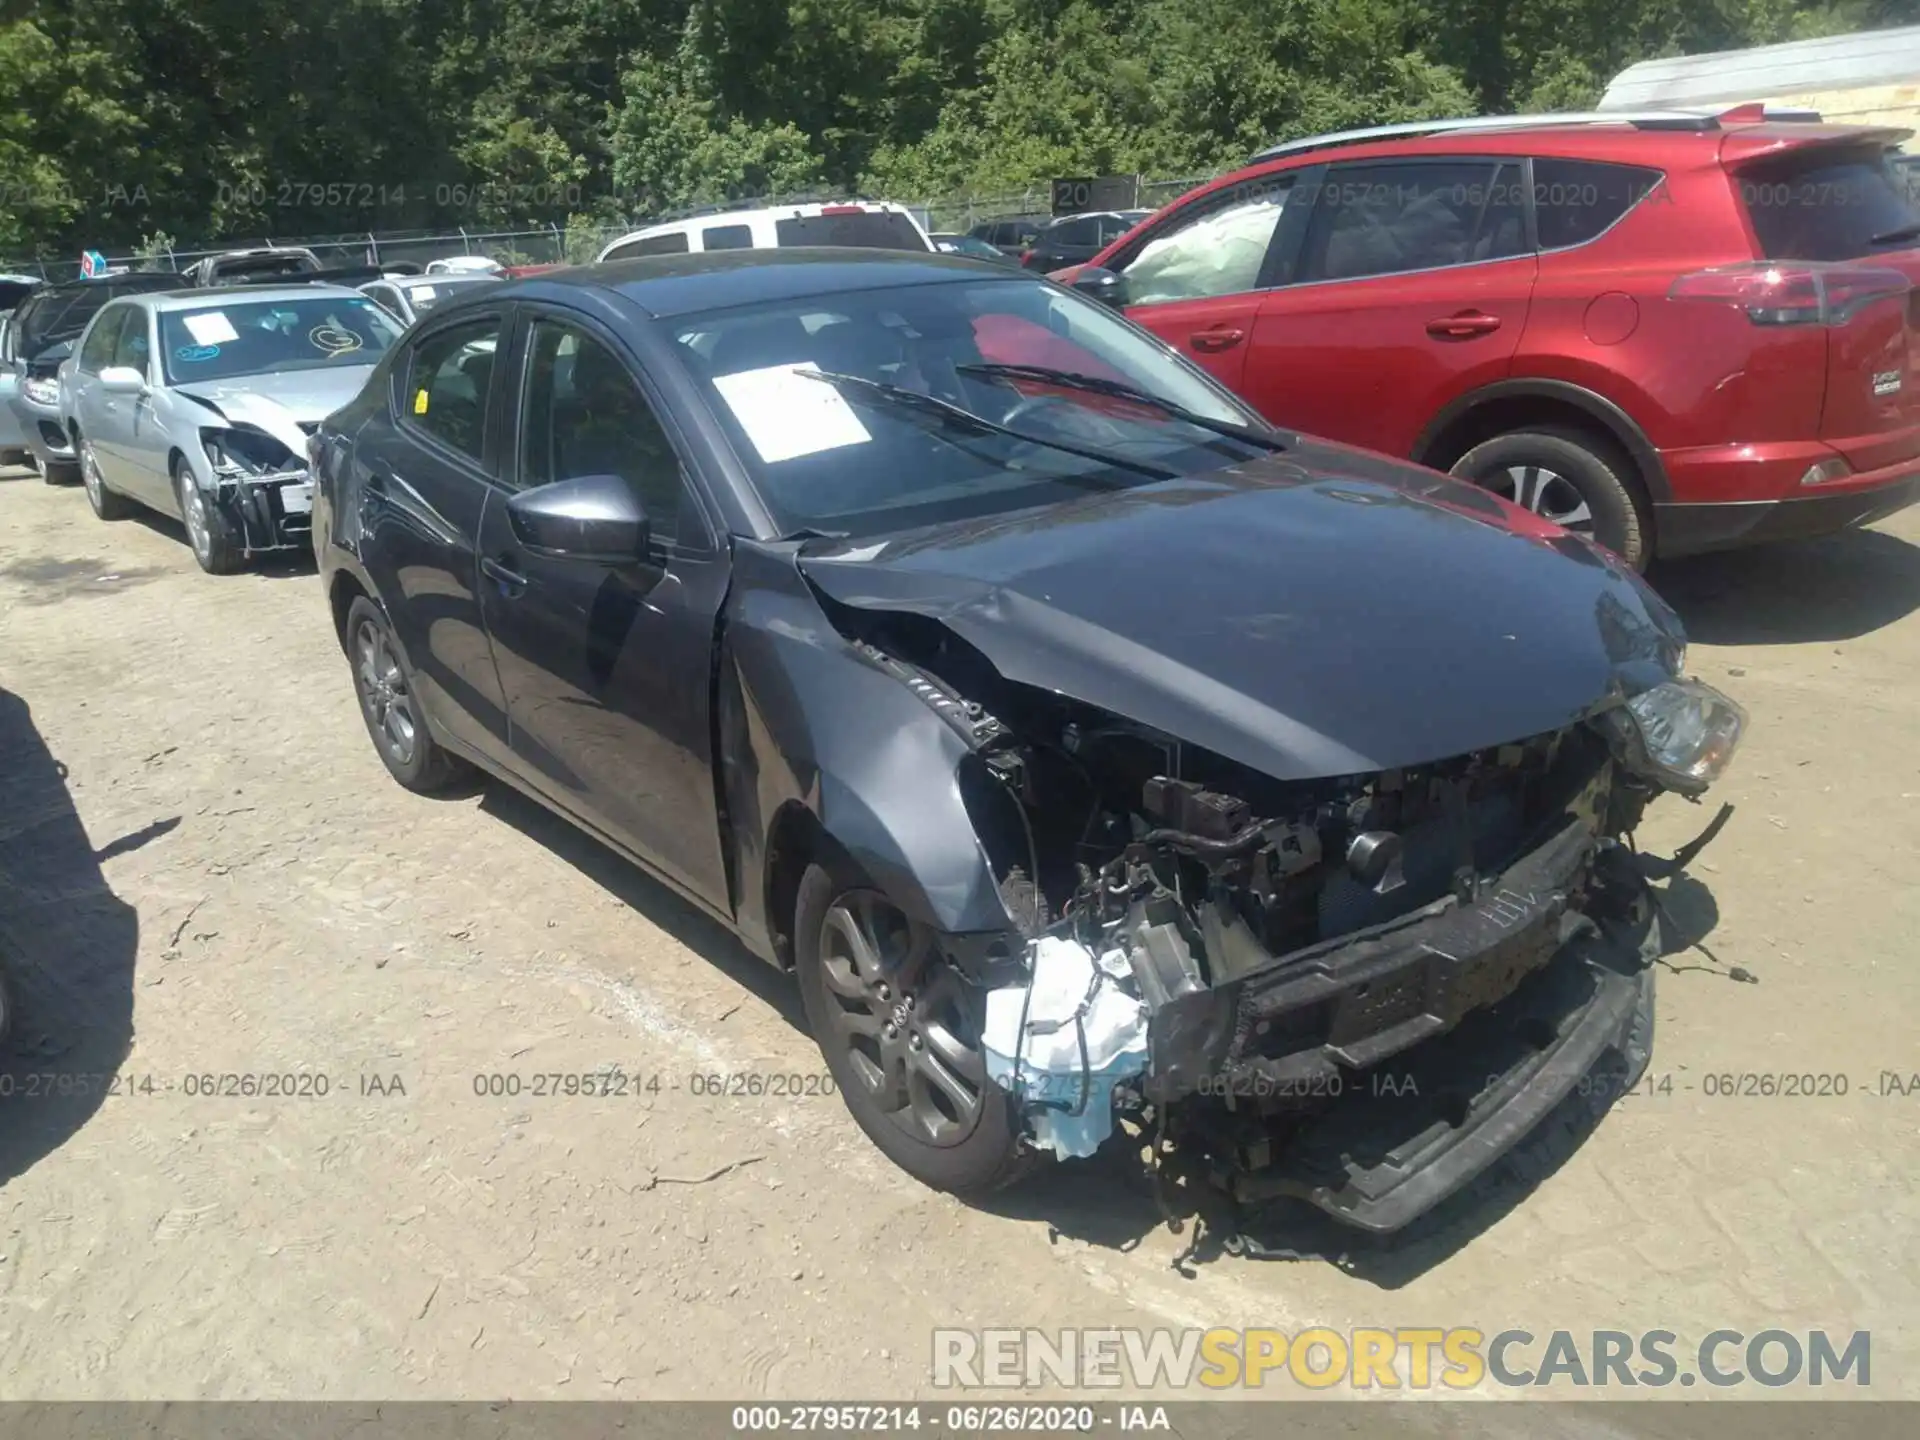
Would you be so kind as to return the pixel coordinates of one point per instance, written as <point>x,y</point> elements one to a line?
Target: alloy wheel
<point>1547,493</point>
<point>908,1023</point>
<point>90,477</point>
<point>383,693</point>
<point>193,507</point>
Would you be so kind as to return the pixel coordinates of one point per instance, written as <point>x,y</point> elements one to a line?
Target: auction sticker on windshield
<point>210,327</point>
<point>786,415</point>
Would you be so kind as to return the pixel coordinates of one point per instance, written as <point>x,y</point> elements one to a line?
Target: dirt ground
<point>204,869</point>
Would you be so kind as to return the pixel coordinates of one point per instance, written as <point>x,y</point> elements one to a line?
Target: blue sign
<point>92,263</point>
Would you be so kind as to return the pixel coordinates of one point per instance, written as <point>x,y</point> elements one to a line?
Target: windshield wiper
<point>1120,390</point>
<point>958,418</point>
<point>1890,237</point>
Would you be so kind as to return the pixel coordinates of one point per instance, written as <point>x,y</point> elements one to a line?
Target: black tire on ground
<point>107,504</point>
<point>56,472</point>
<point>981,1150</point>
<point>1574,479</point>
<point>210,535</point>
<point>383,682</point>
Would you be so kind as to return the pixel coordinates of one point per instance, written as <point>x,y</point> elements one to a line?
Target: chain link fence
<point>575,244</point>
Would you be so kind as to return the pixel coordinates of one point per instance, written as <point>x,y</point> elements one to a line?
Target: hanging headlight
<point>1680,734</point>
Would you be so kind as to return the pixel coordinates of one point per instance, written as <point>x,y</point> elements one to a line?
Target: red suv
<point>1674,333</point>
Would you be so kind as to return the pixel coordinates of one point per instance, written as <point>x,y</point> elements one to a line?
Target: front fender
<point>806,720</point>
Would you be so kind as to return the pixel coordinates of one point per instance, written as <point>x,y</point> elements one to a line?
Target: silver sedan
<point>198,404</point>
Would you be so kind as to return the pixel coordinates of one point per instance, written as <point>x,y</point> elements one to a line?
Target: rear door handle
<point>1464,326</point>
<point>510,580</point>
<point>1220,337</point>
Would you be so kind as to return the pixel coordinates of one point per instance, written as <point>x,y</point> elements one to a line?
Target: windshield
<point>841,459</point>
<point>253,337</point>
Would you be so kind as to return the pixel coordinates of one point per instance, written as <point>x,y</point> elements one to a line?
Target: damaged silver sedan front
<point>198,404</point>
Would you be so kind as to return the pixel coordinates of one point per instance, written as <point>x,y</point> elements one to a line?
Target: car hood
<point>1330,612</point>
<point>280,403</point>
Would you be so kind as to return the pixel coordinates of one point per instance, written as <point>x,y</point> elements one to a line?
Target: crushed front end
<point>263,484</point>
<point>1359,990</point>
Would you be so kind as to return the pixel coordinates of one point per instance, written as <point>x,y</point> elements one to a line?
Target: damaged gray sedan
<point>1099,757</point>
<point>198,404</point>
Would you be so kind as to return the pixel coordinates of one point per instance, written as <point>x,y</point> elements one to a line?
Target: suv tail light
<point>843,209</point>
<point>1801,292</point>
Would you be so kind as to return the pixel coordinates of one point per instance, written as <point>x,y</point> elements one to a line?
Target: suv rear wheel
<point>1565,477</point>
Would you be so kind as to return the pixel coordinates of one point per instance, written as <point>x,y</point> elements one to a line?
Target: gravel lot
<point>204,869</point>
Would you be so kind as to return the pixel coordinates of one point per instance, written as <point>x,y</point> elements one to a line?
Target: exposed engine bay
<point>1265,975</point>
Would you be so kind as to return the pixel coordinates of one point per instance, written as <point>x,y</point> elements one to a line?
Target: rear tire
<point>920,1088</point>
<point>390,705</point>
<point>56,472</point>
<point>107,504</point>
<point>210,534</point>
<point>1569,478</point>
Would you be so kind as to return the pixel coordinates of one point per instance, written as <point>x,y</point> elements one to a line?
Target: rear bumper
<point>1684,529</point>
<point>41,432</point>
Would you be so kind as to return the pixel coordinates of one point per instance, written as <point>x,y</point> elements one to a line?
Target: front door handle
<point>510,580</point>
<point>1464,326</point>
<point>1220,337</point>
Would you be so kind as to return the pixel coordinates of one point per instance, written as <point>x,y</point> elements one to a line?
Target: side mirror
<point>122,380</point>
<point>1107,286</point>
<point>594,518</point>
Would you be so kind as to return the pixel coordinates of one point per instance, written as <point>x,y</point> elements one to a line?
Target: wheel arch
<point>1510,405</point>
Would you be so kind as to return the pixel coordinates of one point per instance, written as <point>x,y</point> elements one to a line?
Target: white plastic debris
<point>1061,1044</point>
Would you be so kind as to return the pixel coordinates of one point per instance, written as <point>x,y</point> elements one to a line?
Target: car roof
<point>438,280</point>
<point>665,286</point>
<point>204,298</point>
<point>746,217</point>
<point>1622,143</point>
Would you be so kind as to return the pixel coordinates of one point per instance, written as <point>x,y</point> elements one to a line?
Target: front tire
<point>1569,478</point>
<point>210,534</point>
<point>390,705</point>
<point>107,504</point>
<point>900,1031</point>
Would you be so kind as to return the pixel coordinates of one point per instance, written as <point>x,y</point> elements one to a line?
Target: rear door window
<point>1576,200</point>
<point>861,229</point>
<point>674,242</point>
<point>1393,218</point>
<point>727,237</point>
<point>1082,231</point>
<point>1824,204</point>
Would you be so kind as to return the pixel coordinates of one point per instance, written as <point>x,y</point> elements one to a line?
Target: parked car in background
<point>864,224</point>
<point>39,337</point>
<point>970,247</point>
<point>1672,332</point>
<point>267,262</point>
<point>13,438</point>
<point>199,406</point>
<point>807,581</point>
<point>464,265</point>
<point>1011,235</point>
<point>1076,239</point>
<point>407,298</point>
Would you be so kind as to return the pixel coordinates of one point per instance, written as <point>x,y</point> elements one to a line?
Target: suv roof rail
<point>1639,119</point>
